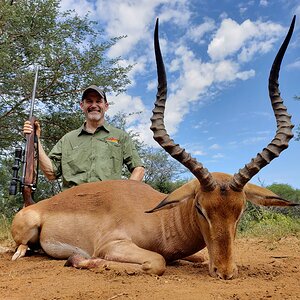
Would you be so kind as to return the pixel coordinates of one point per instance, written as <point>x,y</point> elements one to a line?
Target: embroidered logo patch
<point>112,140</point>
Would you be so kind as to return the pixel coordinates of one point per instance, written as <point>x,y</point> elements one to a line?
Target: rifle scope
<point>15,180</point>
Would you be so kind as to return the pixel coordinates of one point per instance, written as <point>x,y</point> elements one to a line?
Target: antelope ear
<point>184,193</point>
<point>262,196</point>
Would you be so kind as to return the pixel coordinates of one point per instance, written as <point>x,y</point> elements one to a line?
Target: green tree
<point>285,191</point>
<point>70,52</point>
<point>162,171</point>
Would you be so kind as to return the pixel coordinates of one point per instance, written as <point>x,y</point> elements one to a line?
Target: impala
<point>113,223</point>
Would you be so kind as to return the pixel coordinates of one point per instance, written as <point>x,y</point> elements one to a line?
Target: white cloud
<point>81,7</point>
<point>139,66</point>
<point>200,124</point>
<point>195,78</point>
<point>223,15</point>
<point>194,149</point>
<point>133,18</point>
<point>215,147</point>
<point>252,141</point>
<point>152,85</point>
<point>264,132</point>
<point>229,71</point>
<point>177,12</point>
<point>138,119</point>
<point>198,152</point>
<point>244,39</point>
<point>228,39</point>
<point>143,129</point>
<point>218,155</point>
<point>243,10</point>
<point>126,104</point>
<point>294,65</point>
<point>263,3</point>
<point>197,32</point>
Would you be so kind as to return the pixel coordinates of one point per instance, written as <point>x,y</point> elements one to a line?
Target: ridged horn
<point>283,120</point>
<point>158,127</point>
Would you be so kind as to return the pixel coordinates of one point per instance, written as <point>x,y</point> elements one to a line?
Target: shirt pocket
<point>76,160</point>
<point>116,158</point>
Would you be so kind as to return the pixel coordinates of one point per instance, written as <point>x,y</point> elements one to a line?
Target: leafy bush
<point>273,221</point>
<point>259,221</point>
<point>286,192</point>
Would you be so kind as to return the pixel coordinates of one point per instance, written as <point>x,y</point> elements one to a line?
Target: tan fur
<point>107,220</point>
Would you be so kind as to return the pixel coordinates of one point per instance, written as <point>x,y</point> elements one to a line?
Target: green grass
<point>269,225</point>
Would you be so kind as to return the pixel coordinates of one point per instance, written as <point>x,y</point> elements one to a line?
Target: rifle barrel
<point>33,91</point>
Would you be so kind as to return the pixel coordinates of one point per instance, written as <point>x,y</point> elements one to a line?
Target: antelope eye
<point>198,208</point>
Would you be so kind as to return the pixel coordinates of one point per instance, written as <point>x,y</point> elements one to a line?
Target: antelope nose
<point>224,275</point>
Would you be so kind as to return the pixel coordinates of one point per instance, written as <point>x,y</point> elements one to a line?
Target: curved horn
<point>160,133</point>
<point>283,120</point>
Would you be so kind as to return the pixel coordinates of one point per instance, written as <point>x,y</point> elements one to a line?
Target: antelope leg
<point>123,254</point>
<point>21,251</point>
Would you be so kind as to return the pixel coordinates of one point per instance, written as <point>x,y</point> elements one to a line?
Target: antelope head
<point>219,199</point>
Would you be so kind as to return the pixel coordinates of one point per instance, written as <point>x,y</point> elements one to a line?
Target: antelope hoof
<point>74,261</point>
<point>21,251</point>
<point>80,262</point>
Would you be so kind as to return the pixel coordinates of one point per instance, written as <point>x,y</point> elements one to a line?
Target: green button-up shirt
<point>80,156</point>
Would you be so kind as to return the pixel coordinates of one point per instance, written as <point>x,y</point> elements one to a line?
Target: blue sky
<point>218,56</point>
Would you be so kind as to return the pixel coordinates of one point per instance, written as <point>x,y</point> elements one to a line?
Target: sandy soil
<point>267,270</point>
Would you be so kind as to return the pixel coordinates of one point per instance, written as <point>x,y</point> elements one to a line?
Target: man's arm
<point>137,174</point>
<point>44,161</point>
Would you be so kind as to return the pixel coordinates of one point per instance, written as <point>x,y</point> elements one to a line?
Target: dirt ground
<point>267,270</point>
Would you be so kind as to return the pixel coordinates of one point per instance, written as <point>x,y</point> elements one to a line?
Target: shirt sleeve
<point>131,157</point>
<point>55,156</point>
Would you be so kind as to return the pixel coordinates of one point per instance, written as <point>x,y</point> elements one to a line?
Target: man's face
<point>93,106</point>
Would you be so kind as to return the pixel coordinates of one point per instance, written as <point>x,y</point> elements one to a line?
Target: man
<point>95,151</point>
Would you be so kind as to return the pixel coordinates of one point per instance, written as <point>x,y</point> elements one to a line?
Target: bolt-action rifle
<point>28,181</point>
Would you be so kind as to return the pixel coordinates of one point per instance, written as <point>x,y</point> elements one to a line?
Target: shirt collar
<point>105,126</point>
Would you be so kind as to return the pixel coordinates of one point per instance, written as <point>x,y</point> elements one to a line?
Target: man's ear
<point>106,105</point>
<point>81,105</point>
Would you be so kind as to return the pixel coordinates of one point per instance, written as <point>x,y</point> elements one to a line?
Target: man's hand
<point>45,162</point>
<point>27,128</point>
